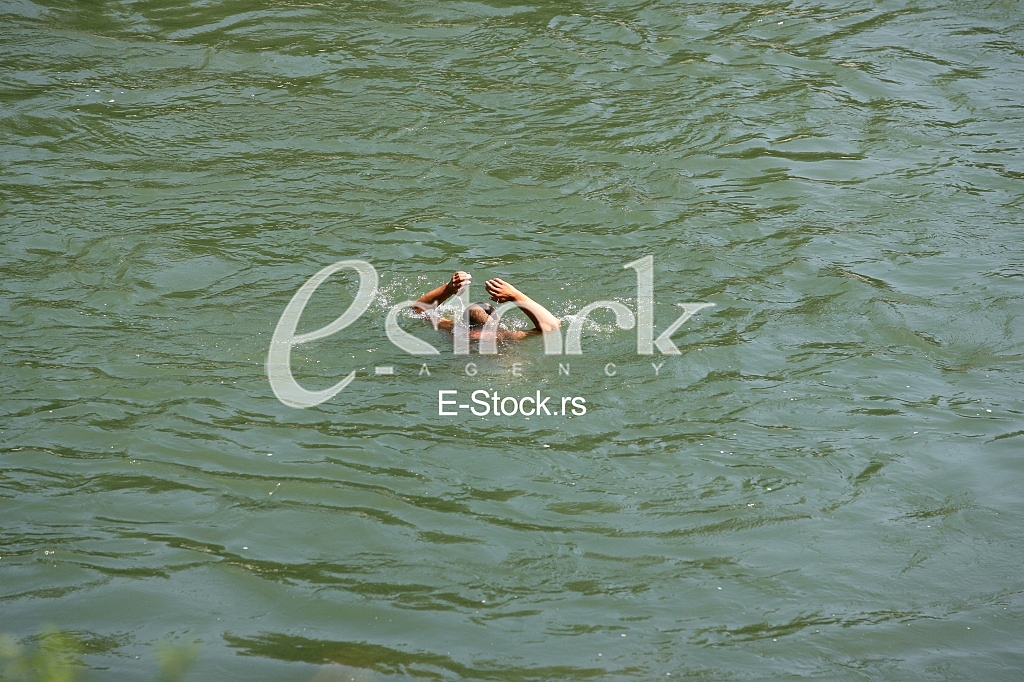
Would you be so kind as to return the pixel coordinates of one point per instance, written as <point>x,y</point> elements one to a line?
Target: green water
<point>824,484</point>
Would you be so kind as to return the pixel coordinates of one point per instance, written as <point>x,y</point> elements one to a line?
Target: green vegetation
<point>55,656</point>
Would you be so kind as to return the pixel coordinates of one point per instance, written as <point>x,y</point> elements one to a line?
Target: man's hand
<point>501,291</point>
<point>435,297</point>
<point>460,280</point>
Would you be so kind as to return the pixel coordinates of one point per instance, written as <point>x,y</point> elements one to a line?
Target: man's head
<point>478,314</point>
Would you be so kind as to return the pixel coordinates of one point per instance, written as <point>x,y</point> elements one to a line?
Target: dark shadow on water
<point>385,660</point>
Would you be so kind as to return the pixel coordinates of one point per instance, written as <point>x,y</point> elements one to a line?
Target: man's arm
<point>429,302</point>
<point>503,292</point>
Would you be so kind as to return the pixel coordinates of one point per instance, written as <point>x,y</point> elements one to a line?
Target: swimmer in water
<point>478,314</point>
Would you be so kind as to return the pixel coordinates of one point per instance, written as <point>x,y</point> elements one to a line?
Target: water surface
<point>824,484</point>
